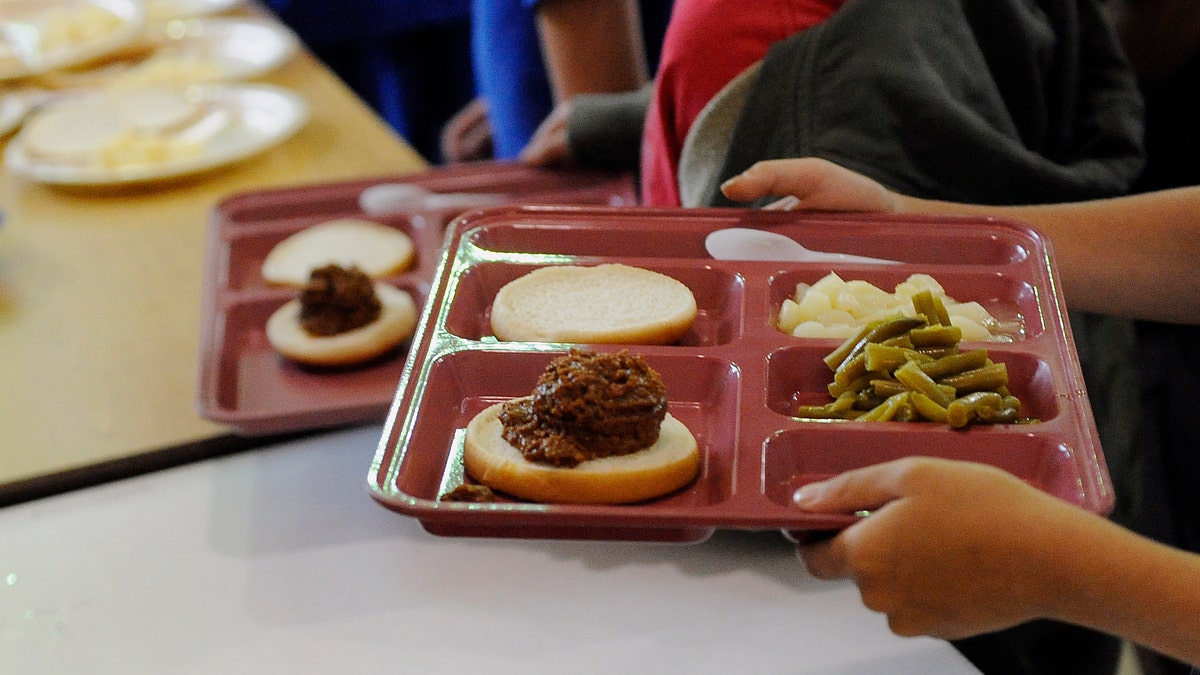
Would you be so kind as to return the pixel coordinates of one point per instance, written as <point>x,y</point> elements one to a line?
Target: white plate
<point>24,33</point>
<point>262,117</point>
<point>13,108</point>
<point>213,50</point>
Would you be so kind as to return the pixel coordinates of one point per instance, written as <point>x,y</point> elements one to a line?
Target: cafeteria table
<point>277,561</point>
<point>100,296</point>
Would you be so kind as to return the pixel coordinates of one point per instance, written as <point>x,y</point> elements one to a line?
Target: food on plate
<point>601,304</point>
<point>375,249</point>
<point>169,69</point>
<point>595,430</point>
<point>68,27</point>
<point>37,34</point>
<point>143,125</point>
<point>342,317</point>
<point>837,308</point>
<point>910,369</point>
<point>161,11</point>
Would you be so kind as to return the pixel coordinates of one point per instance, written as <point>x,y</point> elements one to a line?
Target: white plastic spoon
<point>389,198</point>
<point>742,243</point>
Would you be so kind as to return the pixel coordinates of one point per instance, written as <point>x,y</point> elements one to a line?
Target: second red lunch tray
<point>243,382</point>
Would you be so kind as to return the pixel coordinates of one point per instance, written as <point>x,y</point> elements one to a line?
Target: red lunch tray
<point>734,379</point>
<point>242,382</point>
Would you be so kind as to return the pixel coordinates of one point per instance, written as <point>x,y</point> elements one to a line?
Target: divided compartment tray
<point>243,382</point>
<point>734,379</point>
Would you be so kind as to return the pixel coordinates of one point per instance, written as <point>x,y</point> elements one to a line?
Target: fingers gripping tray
<point>735,379</point>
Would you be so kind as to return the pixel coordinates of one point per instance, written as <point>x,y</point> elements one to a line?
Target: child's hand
<point>549,145</point>
<point>950,549</point>
<point>815,184</point>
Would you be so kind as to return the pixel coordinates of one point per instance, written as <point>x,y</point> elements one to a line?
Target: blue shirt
<point>509,71</point>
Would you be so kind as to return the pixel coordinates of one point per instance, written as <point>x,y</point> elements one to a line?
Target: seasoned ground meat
<point>337,300</point>
<point>469,492</point>
<point>587,405</point>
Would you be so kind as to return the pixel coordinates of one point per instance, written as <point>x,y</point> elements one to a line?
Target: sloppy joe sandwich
<point>602,304</point>
<point>375,249</point>
<point>342,317</point>
<point>596,430</point>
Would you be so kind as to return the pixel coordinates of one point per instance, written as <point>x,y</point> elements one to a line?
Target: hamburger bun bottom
<point>671,463</point>
<point>395,324</point>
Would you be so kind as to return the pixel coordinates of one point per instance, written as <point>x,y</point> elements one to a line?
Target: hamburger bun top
<point>374,248</point>
<point>604,304</point>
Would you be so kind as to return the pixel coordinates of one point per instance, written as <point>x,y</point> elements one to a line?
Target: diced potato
<point>974,311</point>
<point>917,283</point>
<point>810,329</point>
<point>836,316</point>
<point>847,302</point>
<point>789,315</point>
<point>814,303</point>
<point>870,294</point>
<point>830,284</point>
<point>971,329</point>
<point>841,307</point>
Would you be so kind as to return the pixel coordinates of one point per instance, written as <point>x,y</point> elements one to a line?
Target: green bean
<point>927,408</point>
<point>851,369</point>
<point>898,341</point>
<point>985,378</point>
<point>905,412</point>
<point>854,386</point>
<point>953,364</point>
<point>869,398</point>
<point>835,358</point>
<point>885,411</point>
<point>877,331</point>
<point>915,379</point>
<point>844,403</point>
<point>935,336</point>
<point>982,406</point>
<point>936,353</point>
<point>1011,401</point>
<point>836,409</point>
<point>932,307</point>
<point>818,412</point>
<point>911,369</point>
<point>885,388</point>
<point>880,358</point>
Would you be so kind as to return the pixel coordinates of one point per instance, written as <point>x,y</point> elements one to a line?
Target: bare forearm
<point>1134,256</point>
<point>592,46</point>
<point>1123,584</point>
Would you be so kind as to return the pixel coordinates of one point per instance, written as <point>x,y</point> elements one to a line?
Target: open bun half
<point>374,248</point>
<point>671,463</point>
<point>395,324</point>
<point>602,304</point>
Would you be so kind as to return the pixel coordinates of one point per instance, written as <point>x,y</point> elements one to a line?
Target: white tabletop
<point>278,561</point>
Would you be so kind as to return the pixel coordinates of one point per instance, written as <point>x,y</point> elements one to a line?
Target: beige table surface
<point>100,293</point>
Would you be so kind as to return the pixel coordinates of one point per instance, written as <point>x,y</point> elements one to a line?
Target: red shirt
<point>708,42</point>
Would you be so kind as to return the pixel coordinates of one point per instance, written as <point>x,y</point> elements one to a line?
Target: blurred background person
<point>530,55</point>
<point>410,60</point>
